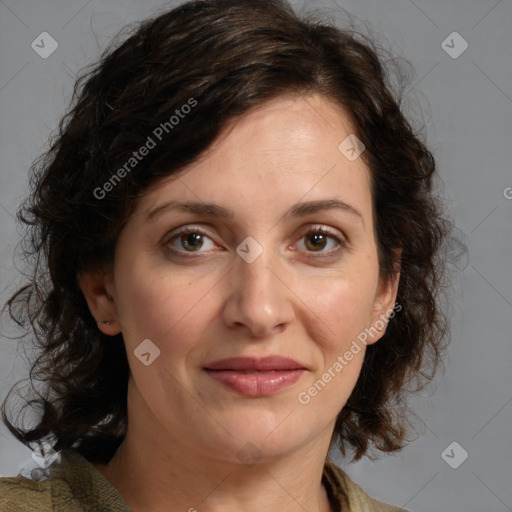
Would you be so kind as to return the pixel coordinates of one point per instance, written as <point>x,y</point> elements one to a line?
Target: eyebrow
<point>214,210</point>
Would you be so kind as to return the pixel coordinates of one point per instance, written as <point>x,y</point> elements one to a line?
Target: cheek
<point>336,315</point>
<point>161,306</point>
<point>338,307</point>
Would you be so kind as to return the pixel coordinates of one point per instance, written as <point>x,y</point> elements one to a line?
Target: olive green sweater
<point>75,485</point>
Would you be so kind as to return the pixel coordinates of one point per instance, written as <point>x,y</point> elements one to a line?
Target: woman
<point>236,246</point>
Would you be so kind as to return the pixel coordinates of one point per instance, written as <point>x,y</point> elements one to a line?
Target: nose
<point>259,301</point>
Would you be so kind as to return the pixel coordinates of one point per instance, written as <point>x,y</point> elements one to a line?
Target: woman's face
<point>266,270</point>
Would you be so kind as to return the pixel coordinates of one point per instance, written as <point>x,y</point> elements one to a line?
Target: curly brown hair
<point>227,57</point>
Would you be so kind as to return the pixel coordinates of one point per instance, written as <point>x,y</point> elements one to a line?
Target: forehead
<point>295,126</point>
<point>278,153</point>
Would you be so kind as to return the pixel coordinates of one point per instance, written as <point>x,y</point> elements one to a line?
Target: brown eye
<point>317,241</point>
<point>190,240</point>
<point>322,241</point>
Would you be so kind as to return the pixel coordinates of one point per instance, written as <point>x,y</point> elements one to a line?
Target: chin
<point>259,439</point>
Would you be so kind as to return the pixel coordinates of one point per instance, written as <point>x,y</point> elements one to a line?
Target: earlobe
<point>97,288</point>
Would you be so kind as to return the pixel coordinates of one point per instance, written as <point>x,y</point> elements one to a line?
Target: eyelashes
<point>190,242</point>
<point>323,234</point>
<point>184,235</point>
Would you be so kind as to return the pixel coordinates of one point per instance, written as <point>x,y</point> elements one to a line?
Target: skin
<point>185,429</point>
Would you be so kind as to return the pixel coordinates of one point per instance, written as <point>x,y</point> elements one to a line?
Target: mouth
<point>256,377</point>
<point>271,363</point>
<point>247,372</point>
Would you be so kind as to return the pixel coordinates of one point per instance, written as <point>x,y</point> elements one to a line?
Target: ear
<point>99,292</point>
<point>384,304</point>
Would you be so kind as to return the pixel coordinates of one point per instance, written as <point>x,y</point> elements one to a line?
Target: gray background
<point>467,109</point>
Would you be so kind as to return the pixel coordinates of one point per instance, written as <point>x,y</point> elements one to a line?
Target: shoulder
<point>73,484</point>
<point>355,498</point>
<point>19,494</point>
<point>54,493</point>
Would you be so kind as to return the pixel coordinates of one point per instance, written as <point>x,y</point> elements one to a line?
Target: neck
<point>158,484</point>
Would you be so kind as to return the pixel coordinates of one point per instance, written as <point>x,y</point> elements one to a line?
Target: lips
<point>256,377</point>
<point>252,364</point>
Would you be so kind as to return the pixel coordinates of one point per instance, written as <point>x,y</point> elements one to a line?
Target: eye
<point>320,237</point>
<point>190,239</point>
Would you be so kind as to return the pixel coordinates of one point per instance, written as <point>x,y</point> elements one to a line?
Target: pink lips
<point>256,376</point>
